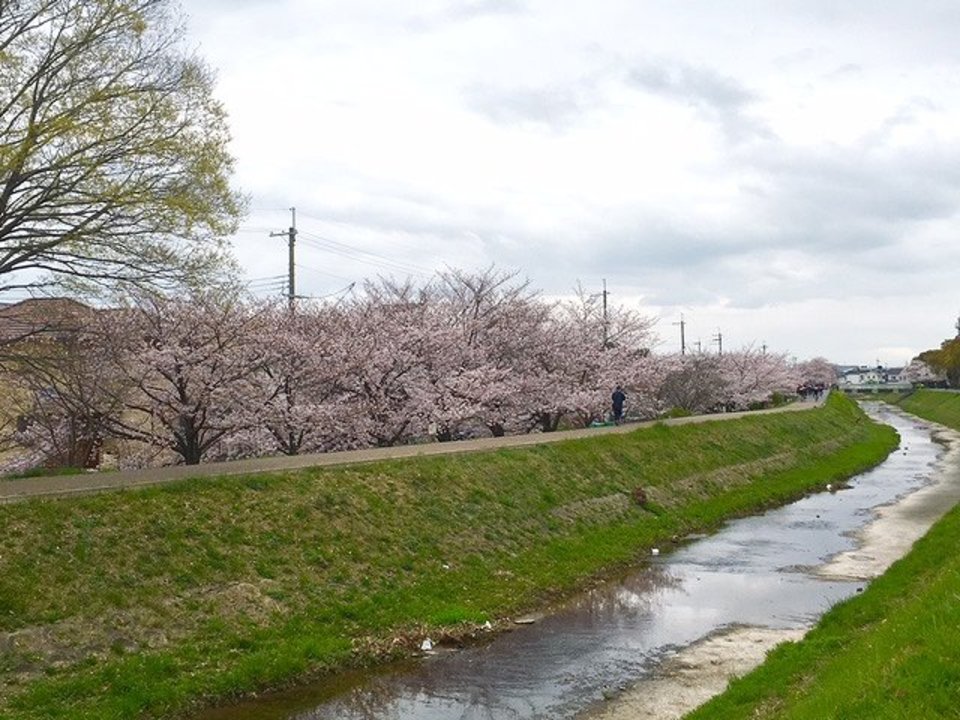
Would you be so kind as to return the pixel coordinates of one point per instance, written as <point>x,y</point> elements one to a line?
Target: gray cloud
<point>861,210</point>
<point>469,9</point>
<point>699,86</point>
<point>463,11</point>
<point>555,107</point>
<point>847,71</point>
<point>718,98</point>
<point>858,196</point>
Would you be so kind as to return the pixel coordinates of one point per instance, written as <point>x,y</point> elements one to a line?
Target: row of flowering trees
<point>214,375</point>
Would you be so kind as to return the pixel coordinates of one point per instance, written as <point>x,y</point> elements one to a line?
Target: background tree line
<point>941,364</point>
<point>213,375</point>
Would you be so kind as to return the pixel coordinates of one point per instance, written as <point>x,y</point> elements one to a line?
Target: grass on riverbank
<point>938,405</point>
<point>137,604</point>
<point>892,652</point>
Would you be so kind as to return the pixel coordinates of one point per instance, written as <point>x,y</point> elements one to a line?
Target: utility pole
<point>605,323</point>
<point>291,234</point>
<point>718,339</point>
<point>683,340</point>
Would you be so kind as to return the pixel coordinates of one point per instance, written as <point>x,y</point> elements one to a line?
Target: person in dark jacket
<point>619,397</point>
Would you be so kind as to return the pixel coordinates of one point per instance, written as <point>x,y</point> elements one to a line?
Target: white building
<point>879,375</point>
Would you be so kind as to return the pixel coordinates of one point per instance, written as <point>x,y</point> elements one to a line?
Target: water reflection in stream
<point>756,571</point>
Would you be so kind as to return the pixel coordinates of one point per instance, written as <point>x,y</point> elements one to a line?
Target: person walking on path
<point>619,396</point>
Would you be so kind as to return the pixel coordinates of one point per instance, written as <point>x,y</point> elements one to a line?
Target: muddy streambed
<point>663,639</point>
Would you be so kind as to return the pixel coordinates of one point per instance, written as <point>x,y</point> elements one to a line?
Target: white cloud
<point>789,173</point>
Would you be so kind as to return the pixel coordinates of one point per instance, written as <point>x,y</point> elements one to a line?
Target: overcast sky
<point>784,173</point>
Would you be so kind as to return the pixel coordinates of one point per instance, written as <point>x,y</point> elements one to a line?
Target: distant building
<point>879,377</point>
<point>41,316</point>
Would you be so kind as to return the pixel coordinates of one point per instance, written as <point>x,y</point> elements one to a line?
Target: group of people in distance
<point>805,392</point>
<point>811,392</point>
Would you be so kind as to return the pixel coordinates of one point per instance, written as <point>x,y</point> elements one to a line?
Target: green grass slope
<point>941,406</point>
<point>147,603</point>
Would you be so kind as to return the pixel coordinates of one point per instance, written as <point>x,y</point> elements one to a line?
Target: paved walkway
<point>83,484</point>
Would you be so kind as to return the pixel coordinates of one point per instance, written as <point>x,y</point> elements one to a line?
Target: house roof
<point>41,315</point>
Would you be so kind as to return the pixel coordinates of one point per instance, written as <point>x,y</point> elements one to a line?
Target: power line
<point>266,279</point>
<point>263,283</point>
<point>276,287</point>
<point>341,291</point>
<point>324,220</point>
<point>252,229</point>
<point>267,286</point>
<point>326,244</point>
<point>366,252</point>
<point>383,264</point>
<point>301,266</point>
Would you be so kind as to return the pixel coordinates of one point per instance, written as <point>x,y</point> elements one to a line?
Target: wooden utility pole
<point>605,323</point>
<point>718,340</point>
<point>291,234</point>
<point>683,339</point>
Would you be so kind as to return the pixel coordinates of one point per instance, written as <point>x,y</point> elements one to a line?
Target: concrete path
<point>87,483</point>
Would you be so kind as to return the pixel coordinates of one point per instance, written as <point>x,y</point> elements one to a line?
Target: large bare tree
<point>113,152</point>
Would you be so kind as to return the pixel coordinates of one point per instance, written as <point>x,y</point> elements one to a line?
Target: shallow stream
<point>758,572</point>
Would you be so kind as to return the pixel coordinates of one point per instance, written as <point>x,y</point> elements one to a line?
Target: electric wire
<point>337,248</point>
<point>301,266</point>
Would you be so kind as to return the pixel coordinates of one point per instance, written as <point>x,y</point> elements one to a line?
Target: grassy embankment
<point>892,652</point>
<point>140,604</point>
<point>937,405</point>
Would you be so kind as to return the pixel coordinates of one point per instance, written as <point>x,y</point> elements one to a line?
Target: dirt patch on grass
<point>28,653</point>
<point>682,491</point>
<point>31,652</point>
<point>606,508</point>
<point>244,601</point>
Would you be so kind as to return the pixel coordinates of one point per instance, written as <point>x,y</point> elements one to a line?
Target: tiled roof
<point>40,315</point>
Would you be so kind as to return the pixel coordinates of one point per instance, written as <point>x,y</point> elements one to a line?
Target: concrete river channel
<point>662,639</point>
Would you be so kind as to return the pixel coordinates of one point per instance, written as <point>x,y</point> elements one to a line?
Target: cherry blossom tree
<point>212,375</point>
<point>57,392</point>
<point>919,371</point>
<point>694,383</point>
<point>587,353</point>
<point>65,399</point>
<point>818,372</point>
<point>497,322</point>
<point>188,364</point>
<point>393,332</point>
<point>752,377</point>
<point>297,401</point>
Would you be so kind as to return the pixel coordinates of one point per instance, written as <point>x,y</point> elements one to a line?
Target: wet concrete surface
<point>587,658</point>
